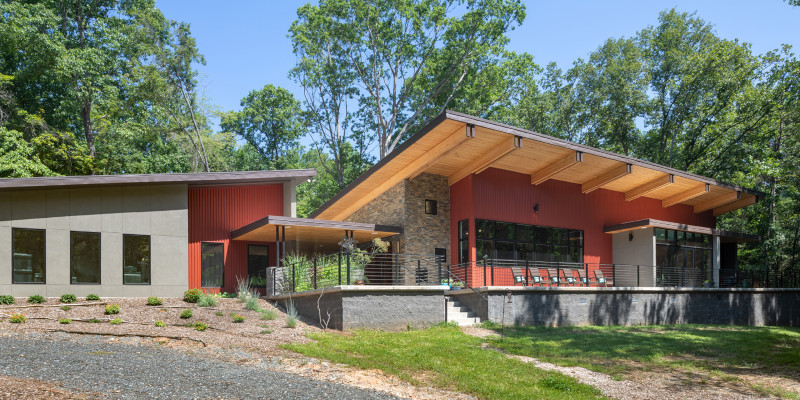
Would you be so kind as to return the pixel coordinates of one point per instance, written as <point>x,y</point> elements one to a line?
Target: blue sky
<point>245,43</point>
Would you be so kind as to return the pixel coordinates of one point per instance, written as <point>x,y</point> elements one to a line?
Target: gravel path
<point>124,371</point>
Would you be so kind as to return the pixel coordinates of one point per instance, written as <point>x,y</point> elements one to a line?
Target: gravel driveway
<point>117,370</point>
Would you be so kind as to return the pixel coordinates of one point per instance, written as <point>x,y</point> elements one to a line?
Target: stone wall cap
<point>363,288</point>
<point>493,289</point>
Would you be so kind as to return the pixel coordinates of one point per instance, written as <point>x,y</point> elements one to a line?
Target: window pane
<point>575,238</point>
<point>29,259</point>
<point>524,233</point>
<point>257,263</point>
<point>463,229</point>
<point>136,259</point>
<point>661,235</point>
<point>485,250</point>
<point>542,235</point>
<point>463,251</point>
<point>504,231</point>
<point>575,255</point>
<point>212,264</point>
<point>85,257</point>
<point>485,229</point>
<point>525,251</point>
<point>544,252</point>
<point>505,250</point>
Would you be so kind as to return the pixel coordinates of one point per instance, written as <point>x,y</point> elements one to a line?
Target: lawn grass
<point>610,349</point>
<point>444,357</point>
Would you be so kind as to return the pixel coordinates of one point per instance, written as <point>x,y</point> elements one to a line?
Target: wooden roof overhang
<point>311,231</point>
<point>727,236</point>
<point>457,145</point>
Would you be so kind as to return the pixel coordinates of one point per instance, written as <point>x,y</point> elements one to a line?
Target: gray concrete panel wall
<point>387,307</point>
<point>158,211</point>
<point>635,248</point>
<point>636,306</point>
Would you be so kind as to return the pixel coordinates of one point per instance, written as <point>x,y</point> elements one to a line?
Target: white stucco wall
<point>159,211</point>
<point>639,250</point>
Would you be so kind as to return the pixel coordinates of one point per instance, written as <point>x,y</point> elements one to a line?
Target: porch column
<point>715,259</point>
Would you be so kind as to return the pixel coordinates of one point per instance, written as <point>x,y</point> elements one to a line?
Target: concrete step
<point>466,321</point>
<point>459,314</point>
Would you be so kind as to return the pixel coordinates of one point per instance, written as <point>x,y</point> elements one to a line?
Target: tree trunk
<point>86,116</point>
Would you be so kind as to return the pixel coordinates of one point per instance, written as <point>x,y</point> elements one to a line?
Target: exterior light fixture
<point>630,237</point>
<point>536,208</point>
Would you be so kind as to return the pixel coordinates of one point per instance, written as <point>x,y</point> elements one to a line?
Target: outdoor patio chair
<point>569,277</point>
<point>519,276</point>
<point>534,277</point>
<point>582,278</point>
<point>601,280</point>
<point>554,278</point>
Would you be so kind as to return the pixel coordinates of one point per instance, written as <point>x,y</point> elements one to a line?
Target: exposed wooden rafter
<point>741,203</point>
<point>606,177</point>
<point>543,174</point>
<point>686,195</point>
<point>649,187</point>
<point>442,149</point>
<point>718,202</point>
<point>497,152</point>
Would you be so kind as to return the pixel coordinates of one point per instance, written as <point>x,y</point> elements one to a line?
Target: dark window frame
<point>13,246</point>
<point>150,259</point>
<point>463,241</point>
<point>431,207</point>
<point>553,240</point>
<point>248,263</point>
<point>222,280</point>
<point>99,258</point>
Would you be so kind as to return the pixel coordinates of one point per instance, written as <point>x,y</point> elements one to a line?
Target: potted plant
<point>456,285</point>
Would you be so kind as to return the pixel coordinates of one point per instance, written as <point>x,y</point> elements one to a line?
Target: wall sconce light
<point>630,237</point>
<point>536,208</point>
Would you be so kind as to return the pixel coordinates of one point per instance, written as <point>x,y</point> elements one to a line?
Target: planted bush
<point>291,319</point>
<point>268,315</point>
<point>238,318</point>
<point>94,321</point>
<point>154,301</point>
<point>200,326</point>
<point>92,297</point>
<point>160,324</point>
<point>112,309</point>
<point>219,313</point>
<point>66,308</point>
<point>36,299</point>
<point>207,301</point>
<point>192,295</point>
<point>65,321</point>
<point>68,298</point>
<point>17,319</point>
<point>252,304</point>
<point>115,321</point>
<point>7,299</point>
<point>186,314</point>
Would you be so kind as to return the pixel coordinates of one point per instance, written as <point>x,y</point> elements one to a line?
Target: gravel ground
<point>88,366</point>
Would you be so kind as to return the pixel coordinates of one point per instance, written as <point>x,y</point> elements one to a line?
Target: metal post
<point>417,279</point>
<point>439,264</point>
<point>638,273</point>
<point>340,268</point>
<point>527,273</point>
<point>558,273</point>
<point>484,272</point>
<point>278,246</point>
<point>348,267</point>
<point>315,272</point>
<point>491,265</point>
<point>613,274</point>
<point>396,269</point>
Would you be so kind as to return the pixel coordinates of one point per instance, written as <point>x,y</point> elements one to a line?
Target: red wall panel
<point>216,211</point>
<point>509,196</point>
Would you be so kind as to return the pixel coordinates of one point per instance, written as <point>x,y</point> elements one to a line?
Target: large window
<point>85,257</point>
<point>212,264</point>
<point>28,258</point>
<point>683,258</point>
<point>463,241</point>
<point>136,259</point>
<point>509,241</point>
<point>257,263</point>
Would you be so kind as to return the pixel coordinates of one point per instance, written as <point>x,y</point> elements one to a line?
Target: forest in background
<point>111,87</point>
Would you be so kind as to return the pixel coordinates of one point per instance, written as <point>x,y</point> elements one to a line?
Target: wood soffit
<point>457,145</point>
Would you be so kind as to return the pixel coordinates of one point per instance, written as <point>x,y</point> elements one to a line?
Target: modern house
<point>463,188</point>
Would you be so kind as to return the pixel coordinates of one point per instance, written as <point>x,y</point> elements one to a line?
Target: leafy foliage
<point>92,297</point>
<point>68,298</point>
<point>112,309</point>
<point>154,301</point>
<point>36,299</point>
<point>17,318</point>
<point>186,314</point>
<point>192,295</point>
<point>7,299</point>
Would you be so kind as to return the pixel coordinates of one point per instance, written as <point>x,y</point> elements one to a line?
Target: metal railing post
<point>558,273</point>
<point>491,265</point>
<point>396,268</point>
<point>439,264</point>
<point>613,274</point>
<point>348,267</point>
<point>527,273</point>
<point>466,269</point>
<point>294,272</point>
<point>340,268</point>
<point>638,275</point>
<point>315,272</point>
<point>484,272</point>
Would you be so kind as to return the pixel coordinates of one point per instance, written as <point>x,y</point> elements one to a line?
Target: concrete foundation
<point>634,306</point>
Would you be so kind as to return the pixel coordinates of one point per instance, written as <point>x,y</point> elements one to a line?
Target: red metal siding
<point>216,211</point>
<point>508,196</point>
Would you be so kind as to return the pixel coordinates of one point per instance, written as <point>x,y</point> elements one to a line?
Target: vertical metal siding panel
<point>508,196</point>
<point>216,211</point>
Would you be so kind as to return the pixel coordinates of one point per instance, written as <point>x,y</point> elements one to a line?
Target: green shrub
<point>192,295</point>
<point>207,301</point>
<point>186,314</point>
<point>252,304</point>
<point>219,313</point>
<point>92,297</point>
<point>65,321</point>
<point>66,308</point>
<point>266,331</point>
<point>115,321</point>
<point>94,321</point>
<point>154,301</point>
<point>68,298</point>
<point>112,309</point>
<point>17,319</point>
<point>36,299</point>
<point>7,299</point>
<point>200,326</point>
<point>268,315</point>
<point>238,318</point>
<point>160,324</point>
<point>291,322</point>
<point>291,318</point>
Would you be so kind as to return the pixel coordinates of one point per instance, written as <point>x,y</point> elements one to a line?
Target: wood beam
<point>499,150</point>
<point>649,187</point>
<point>718,202</point>
<point>686,195</point>
<point>605,178</point>
<point>455,139</point>
<point>441,150</point>
<point>543,174</point>
<point>741,203</point>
